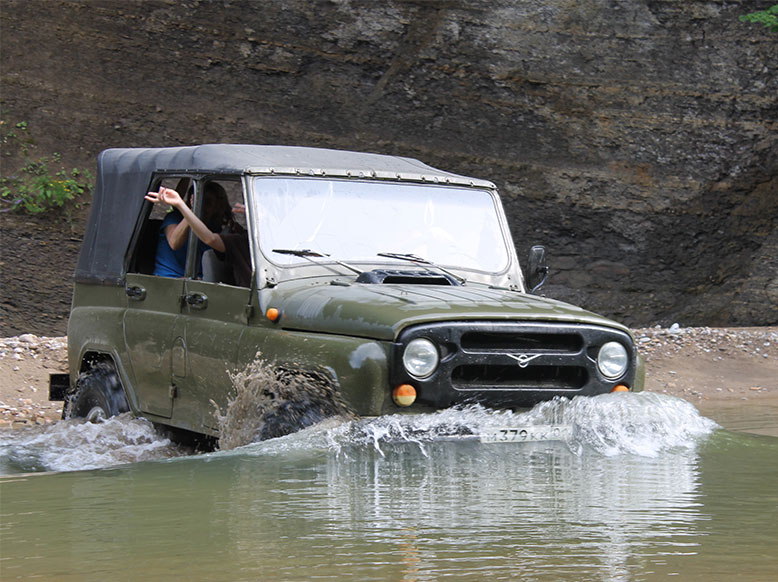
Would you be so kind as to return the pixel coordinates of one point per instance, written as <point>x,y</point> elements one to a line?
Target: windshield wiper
<point>310,255</point>
<point>421,261</point>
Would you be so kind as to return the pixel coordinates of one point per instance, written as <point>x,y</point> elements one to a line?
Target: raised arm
<point>176,234</point>
<point>170,196</point>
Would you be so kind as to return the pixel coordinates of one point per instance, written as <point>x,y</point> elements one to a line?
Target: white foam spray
<point>643,424</point>
<point>72,445</point>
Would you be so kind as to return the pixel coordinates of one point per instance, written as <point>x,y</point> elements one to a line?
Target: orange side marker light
<point>404,395</point>
<point>273,314</point>
<point>620,388</point>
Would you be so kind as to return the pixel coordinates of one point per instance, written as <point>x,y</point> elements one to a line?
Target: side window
<point>145,249</point>
<point>218,210</point>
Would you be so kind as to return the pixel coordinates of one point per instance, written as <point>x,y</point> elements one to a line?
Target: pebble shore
<point>761,342</point>
<point>26,361</point>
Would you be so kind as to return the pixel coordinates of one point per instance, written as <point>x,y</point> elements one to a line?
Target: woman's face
<point>215,203</point>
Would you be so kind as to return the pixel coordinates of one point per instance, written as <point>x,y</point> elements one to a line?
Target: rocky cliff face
<point>636,139</point>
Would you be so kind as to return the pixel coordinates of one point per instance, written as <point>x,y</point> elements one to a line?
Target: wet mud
<point>269,402</point>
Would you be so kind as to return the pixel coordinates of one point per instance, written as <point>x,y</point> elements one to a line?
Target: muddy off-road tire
<point>98,395</point>
<point>293,416</point>
<point>299,400</point>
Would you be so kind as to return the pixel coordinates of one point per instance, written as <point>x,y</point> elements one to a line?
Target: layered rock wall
<point>636,139</point>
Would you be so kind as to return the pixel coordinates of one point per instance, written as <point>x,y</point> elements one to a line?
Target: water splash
<point>270,402</point>
<point>643,424</point>
<point>71,445</point>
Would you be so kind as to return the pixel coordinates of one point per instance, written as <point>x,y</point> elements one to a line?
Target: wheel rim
<point>96,414</point>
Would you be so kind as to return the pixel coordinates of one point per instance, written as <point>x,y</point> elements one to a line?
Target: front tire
<point>98,395</point>
<point>296,415</point>
<point>298,401</point>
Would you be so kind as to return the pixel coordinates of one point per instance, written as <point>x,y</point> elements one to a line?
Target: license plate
<point>522,434</point>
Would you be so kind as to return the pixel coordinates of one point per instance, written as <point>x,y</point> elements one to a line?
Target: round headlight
<point>612,360</point>
<point>420,358</point>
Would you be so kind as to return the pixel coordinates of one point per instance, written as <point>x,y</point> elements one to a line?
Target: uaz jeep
<point>394,283</point>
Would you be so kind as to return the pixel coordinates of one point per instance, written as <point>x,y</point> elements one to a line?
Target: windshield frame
<point>278,270</point>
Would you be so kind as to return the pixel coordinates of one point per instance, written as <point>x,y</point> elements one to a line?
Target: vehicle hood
<point>382,311</point>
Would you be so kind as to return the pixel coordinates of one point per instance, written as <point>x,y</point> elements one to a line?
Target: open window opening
<point>143,259</point>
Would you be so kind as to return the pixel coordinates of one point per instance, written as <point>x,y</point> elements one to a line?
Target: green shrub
<point>767,17</point>
<point>38,187</point>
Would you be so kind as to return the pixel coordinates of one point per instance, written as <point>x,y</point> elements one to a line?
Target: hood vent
<point>396,277</point>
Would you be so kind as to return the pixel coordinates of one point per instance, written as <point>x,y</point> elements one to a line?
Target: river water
<point>643,488</point>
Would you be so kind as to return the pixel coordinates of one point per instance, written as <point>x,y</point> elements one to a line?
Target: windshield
<point>355,220</point>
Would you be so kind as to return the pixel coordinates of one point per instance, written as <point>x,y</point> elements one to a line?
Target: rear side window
<point>145,249</point>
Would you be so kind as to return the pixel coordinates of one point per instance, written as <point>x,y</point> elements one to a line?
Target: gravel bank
<point>704,365</point>
<point>719,342</point>
<point>25,364</point>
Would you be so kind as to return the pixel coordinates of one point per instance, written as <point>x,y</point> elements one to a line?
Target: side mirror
<point>537,269</point>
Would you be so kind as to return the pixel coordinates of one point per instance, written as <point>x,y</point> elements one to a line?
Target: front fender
<point>358,367</point>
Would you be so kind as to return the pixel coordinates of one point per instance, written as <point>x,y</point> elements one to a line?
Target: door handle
<point>196,300</point>
<point>135,292</point>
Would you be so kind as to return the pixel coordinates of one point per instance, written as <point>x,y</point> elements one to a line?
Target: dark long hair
<point>217,210</point>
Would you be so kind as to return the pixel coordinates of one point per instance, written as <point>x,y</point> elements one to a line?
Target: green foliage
<point>39,185</point>
<point>767,17</point>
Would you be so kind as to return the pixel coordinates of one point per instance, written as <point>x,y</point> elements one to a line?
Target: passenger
<point>232,241</point>
<point>170,260</point>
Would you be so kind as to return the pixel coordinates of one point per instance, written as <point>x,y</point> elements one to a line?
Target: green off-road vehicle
<point>394,284</point>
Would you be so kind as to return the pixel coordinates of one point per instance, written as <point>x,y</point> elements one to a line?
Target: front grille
<point>511,363</point>
<point>486,377</point>
<point>521,341</point>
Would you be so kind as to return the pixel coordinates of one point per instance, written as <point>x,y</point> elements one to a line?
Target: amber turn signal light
<point>273,314</point>
<point>620,388</point>
<point>404,395</point>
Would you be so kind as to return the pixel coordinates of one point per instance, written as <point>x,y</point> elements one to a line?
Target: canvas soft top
<point>124,176</point>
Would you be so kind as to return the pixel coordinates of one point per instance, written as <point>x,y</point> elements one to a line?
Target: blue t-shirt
<point>170,263</point>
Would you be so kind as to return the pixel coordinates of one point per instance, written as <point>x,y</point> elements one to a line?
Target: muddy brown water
<point>644,488</point>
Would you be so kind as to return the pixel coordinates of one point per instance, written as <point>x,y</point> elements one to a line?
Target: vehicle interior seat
<point>215,270</point>
<point>146,249</point>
